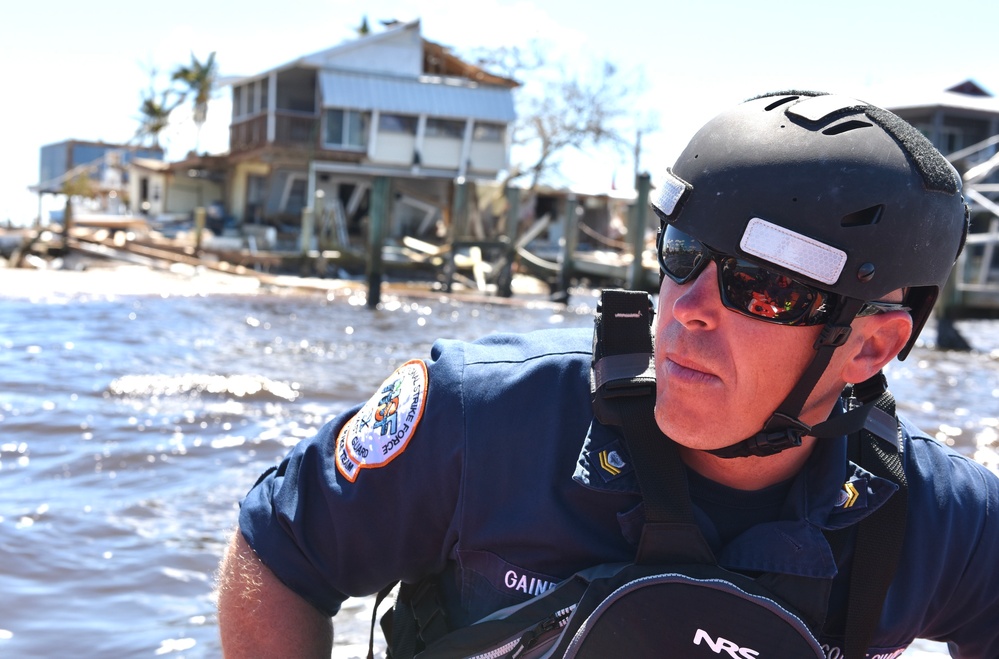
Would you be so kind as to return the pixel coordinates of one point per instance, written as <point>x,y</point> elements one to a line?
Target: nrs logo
<point>724,645</point>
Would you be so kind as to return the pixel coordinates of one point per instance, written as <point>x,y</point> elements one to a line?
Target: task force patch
<point>380,431</point>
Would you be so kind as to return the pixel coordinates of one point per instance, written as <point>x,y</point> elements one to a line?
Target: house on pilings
<point>313,134</point>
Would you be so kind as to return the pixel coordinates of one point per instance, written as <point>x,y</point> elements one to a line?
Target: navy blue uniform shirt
<point>484,465</point>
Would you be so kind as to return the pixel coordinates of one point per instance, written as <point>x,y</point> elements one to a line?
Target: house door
<point>256,197</point>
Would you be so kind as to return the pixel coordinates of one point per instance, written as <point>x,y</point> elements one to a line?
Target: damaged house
<point>315,132</point>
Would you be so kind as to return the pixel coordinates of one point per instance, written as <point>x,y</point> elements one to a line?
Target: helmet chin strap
<point>783,429</point>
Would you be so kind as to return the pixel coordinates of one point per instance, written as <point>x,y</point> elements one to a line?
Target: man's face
<point>720,374</point>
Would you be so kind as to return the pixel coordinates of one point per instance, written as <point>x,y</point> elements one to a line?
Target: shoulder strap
<point>880,535</point>
<point>416,619</point>
<point>623,388</point>
<point>387,627</point>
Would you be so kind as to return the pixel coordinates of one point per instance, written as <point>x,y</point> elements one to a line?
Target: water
<point>136,412</point>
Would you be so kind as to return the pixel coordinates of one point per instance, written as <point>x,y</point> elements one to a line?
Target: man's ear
<point>879,339</point>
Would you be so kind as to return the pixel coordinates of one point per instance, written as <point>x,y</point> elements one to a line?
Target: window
<point>293,200</point>
<point>346,129</point>
<point>397,123</point>
<point>252,97</point>
<point>445,128</point>
<point>256,198</point>
<point>489,132</point>
<point>237,97</point>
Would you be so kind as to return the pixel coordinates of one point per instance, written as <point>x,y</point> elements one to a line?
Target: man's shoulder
<point>948,473</point>
<point>561,344</point>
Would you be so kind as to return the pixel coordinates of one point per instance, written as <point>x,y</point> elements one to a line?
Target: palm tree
<point>199,80</point>
<point>155,115</point>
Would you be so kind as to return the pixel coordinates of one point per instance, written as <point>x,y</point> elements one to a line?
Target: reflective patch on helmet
<point>792,250</point>
<point>381,430</point>
<point>671,191</point>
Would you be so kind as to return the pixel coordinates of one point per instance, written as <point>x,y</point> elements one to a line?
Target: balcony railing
<point>293,129</point>
<point>248,134</point>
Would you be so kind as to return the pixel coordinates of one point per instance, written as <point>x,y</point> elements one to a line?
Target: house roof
<point>436,58</point>
<point>190,162</point>
<point>964,96</point>
<point>432,95</point>
<point>969,87</point>
<point>150,164</point>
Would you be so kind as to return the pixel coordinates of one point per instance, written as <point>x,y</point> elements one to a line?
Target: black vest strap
<point>624,394</point>
<point>881,534</point>
<point>392,629</point>
<point>416,620</point>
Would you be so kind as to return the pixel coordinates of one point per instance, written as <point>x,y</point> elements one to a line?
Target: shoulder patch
<point>380,430</point>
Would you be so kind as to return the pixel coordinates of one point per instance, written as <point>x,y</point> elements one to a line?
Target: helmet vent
<point>781,101</point>
<point>846,126</point>
<point>863,218</point>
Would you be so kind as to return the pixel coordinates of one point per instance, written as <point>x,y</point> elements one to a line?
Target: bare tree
<point>562,108</point>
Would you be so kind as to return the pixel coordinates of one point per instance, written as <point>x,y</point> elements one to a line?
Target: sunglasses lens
<point>747,288</point>
<point>679,254</point>
<point>767,295</point>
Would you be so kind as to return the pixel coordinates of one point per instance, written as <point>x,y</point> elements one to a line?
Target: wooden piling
<point>459,224</point>
<point>504,279</point>
<point>570,241</point>
<point>377,228</point>
<point>200,216</point>
<point>308,230</point>
<point>636,232</point>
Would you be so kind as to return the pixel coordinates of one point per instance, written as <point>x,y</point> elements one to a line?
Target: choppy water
<point>131,425</point>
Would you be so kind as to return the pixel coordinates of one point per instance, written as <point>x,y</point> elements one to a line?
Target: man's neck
<point>752,473</point>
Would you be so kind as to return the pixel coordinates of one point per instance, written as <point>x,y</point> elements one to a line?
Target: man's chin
<point>698,439</point>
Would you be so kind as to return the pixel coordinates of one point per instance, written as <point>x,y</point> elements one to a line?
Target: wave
<point>248,387</point>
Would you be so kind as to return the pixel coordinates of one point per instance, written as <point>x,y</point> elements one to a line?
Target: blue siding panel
<point>436,97</point>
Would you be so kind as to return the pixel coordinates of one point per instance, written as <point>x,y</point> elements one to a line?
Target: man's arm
<point>261,617</point>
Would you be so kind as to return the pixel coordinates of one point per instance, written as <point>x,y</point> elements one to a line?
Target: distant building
<point>956,119</point>
<point>68,157</point>
<point>163,190</point>
<point>104,165</point>
<point>963,123</point>
<point>315,131</point>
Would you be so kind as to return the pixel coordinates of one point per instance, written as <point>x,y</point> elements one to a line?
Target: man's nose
<point>698,302</point>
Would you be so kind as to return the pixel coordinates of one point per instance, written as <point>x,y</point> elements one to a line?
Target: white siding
<point>441,152</point>
<point>399,52</point>
<point>487,156</point>
<point>395,148</point>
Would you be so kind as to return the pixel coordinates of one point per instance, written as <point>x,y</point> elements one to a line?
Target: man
<point>804,240</point>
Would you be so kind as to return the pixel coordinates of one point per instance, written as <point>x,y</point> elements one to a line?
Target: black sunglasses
<point>750,289</point>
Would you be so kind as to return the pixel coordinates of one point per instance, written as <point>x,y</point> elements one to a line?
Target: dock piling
<point>380,188</point>
<point>570,241</point>
<point>636,232</point>
<point>504,281</point>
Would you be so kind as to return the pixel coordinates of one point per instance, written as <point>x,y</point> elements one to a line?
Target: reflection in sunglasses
<point>745,287</point>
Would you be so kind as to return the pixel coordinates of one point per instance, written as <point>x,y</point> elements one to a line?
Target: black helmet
<point>872,204</point>
<point>829,190</point>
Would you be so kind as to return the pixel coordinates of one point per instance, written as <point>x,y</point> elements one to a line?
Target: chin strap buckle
<point>770,441</point>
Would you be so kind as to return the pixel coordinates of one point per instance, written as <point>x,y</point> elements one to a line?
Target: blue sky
<point>77,70</point>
